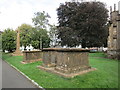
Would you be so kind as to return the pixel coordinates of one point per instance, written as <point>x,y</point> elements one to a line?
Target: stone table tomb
<point>66,62</point>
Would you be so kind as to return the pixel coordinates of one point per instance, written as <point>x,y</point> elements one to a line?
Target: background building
<point>114,34</point>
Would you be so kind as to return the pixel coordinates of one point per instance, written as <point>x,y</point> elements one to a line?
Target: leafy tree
<point>40,33</point>
<point>82,23</point>
<point>0,41</point>
<point>53,35</point>
<point>8,40</point>
<point>40,36</point>
<point>41,20</point>
<point>25,34</point>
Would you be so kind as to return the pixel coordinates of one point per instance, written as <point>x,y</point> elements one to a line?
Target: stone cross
<point>18,40</point>
<point>17,51</point>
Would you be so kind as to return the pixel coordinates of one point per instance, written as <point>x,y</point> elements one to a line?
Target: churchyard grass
<point>106,75</point>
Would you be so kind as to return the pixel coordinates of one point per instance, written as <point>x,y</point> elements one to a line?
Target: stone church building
<point>114,34</point>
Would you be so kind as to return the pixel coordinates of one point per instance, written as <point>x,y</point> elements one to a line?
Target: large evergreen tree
<point>82,23</point>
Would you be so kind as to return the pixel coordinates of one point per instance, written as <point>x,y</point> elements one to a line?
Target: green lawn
<point>106,75</point>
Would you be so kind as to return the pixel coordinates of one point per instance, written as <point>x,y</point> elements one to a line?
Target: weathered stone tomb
<point>31,56</point>
<point>66,62</point>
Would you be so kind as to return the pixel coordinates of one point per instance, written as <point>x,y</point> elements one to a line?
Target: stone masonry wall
<point>114,36</point>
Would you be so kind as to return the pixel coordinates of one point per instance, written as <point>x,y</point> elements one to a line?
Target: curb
<point>35,83</point>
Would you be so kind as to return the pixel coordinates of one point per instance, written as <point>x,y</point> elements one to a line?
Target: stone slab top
<point>66,49</point>
<point>31,51</point>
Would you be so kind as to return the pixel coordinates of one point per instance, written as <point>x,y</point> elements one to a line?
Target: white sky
<point>13,13</point>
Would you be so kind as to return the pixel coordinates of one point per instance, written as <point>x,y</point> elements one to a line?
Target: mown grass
<point>106,75</point>
<point>98,54</point>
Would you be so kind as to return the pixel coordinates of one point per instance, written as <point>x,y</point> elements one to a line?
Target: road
<point>13,79</point>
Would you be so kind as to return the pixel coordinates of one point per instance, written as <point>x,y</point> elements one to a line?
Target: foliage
<point>41,20</point>
<point>106,75</point>
<point>38,36</point>
<point>30,35</point>
<point>40,32</point>
<point>82,23</point>
<point>8,40</point>
<point>53,35</point>
<point>25,34</point>
<point>0,41</point>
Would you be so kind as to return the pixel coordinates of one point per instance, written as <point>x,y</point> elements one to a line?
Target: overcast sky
<point>13,13</point>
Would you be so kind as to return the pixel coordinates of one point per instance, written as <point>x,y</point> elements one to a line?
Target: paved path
<point>0,72</point>
<point>13,79</point>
